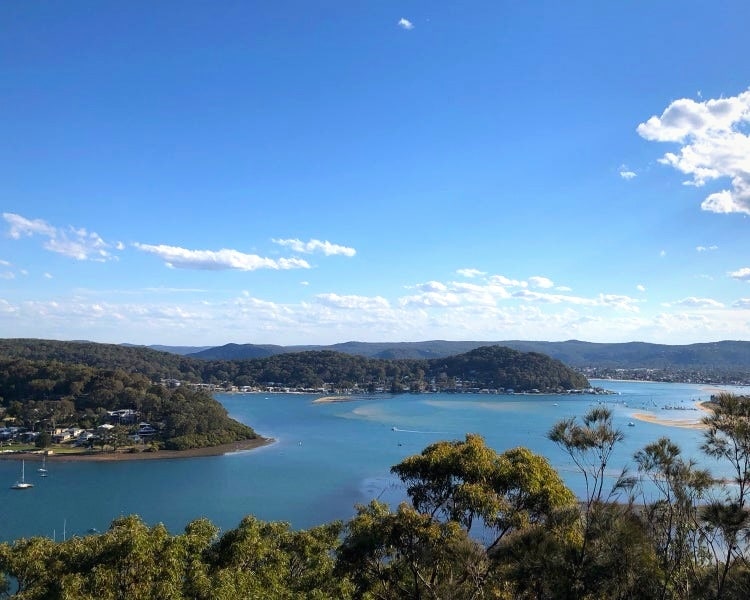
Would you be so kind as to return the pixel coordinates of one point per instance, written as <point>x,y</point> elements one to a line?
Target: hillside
<point>489,367</point>
<point>630,355</point>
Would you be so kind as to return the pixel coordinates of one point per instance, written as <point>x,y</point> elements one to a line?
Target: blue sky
<point>198,173</point>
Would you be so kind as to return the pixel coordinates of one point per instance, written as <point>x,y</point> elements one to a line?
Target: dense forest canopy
<point>490,367</point>
<point>40,395</point>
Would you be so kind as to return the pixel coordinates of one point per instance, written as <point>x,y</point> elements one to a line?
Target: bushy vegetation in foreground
<point>478,524</point>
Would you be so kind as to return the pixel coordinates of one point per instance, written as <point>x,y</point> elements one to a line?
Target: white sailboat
<point>22,484</point>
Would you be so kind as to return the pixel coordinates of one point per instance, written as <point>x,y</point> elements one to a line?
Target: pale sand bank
<point>330,399</point>
<point>694,423</point>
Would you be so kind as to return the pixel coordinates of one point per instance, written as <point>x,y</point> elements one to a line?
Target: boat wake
<point>418,431</point>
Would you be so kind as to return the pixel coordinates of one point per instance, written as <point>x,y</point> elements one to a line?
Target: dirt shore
<point>98,456</point>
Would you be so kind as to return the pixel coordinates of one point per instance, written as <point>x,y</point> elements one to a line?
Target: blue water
<point>326,458</point>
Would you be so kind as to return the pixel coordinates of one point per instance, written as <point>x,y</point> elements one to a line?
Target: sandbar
<point>330,399</point>
<point>683,423</point>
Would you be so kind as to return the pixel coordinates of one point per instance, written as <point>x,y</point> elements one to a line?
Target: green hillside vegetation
<point>482,368</point>
<point>725,361</point>
<point>42,395</point>
<point>477,524</point>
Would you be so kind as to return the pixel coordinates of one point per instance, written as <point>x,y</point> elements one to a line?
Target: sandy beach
<point>98,456</point>
<point>683,423</point>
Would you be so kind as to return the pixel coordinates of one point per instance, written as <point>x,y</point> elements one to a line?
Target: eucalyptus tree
<point>590,445</point>
<point>407,554</point>
<point>672,516</point>
<point>602,523</point>
<point>261,559</point>
<point>727,520</point>
<point>466,481</point>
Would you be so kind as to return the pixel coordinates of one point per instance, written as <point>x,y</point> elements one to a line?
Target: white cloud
<point>625,303</point>
<point>216,260</point>
<point>626,173</point>
<point>742,274</point>
<point>662,253</point>
<point>74,242</point>
<point>48,276</point>
<point>4,263</point>
<point>694,302</point>
<point>545,297</point>
<point>352,302</point>
<point>541,282</point>
<point>640,287</point>
<point>405,23</point>
<point>428,299</point>
<point>325,247</point>
<point>455,313</point>
<point>23,227</point>
<point>706,248</point>
<point>502,280</point>
<point>7,275</point>
<point>6,308</point>
<point>619,302</point>
<point>470,273</point>
<point>714,144</point>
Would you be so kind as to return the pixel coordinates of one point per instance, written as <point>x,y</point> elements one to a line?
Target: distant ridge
<point>575,353</point>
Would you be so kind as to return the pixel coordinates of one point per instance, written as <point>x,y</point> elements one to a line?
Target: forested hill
<point>487,367</point>
<point>575,353</point>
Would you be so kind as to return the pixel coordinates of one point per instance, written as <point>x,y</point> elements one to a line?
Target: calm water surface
<point>327,458</point>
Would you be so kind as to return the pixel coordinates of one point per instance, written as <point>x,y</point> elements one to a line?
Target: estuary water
<point>327,457</point>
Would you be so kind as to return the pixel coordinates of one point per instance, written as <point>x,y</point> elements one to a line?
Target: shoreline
<point>117,456</point>
<point>682,423</point>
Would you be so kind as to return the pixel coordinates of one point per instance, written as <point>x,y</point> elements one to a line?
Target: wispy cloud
<point>312,246</point>
<point>706,248</point>
<point>640,287</point>
<point>694,302</point>
<point>470,273</point>
<point>626,173</point>
<point>405,23</point>
<point>352,301</point>
<point>217,260</point>
<point>505,281</point>
<point>714,144</point>
<point>742,303</point>
<point>72,242</point>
